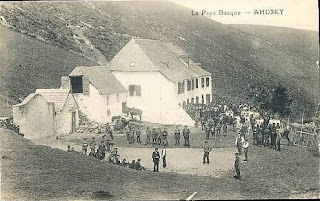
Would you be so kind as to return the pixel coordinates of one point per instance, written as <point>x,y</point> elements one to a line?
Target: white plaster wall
<point>158,101</point>
<point>195,92</point>
<point>35,118</point>
<point>95,106</point>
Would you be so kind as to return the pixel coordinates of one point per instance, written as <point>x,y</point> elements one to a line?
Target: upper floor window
<point>181,87</point>
<point>192,84</point>
<point>134,90</point>
<point>197,84</point>
<point>202,82</point>
<point>207,82</point>
<point>188,85</point>
<point>76,84</point>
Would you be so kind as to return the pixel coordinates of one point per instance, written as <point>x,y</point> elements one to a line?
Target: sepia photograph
<point>159,100</point>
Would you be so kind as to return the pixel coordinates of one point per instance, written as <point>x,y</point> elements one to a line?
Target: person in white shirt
<point>245,146</point>
<point>163,156</point>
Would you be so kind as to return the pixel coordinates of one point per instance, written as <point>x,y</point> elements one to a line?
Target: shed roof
<point>101,78</point>
<point>154,55</point>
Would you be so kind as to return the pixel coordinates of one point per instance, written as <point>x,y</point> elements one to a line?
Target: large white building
<point>161,79</point>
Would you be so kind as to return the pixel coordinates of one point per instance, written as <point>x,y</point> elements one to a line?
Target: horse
<point>133,111</point>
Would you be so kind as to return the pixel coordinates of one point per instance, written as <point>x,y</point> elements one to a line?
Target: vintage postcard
<point>159,100</point>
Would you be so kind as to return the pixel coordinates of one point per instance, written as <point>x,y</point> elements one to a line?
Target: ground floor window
<point>197,100</point>
<point>208,98</point>
<point>192,100</point>
<point>188,101</point>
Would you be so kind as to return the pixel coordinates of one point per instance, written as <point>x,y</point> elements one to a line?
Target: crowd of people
<point>215,120</point>
<point>156,136</point>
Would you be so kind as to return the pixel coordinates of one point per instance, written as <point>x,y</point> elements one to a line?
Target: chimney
<point>65,82</point>
<point>185,58</point>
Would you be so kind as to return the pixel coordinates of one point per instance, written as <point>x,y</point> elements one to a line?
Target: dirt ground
<point>179,160</point>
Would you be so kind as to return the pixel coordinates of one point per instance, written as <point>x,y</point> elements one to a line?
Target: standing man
<point>225,129</point>
<point>245,146</point>
<point>238,143</point>
<point>164,137</point>
<point>148,132</point>
<point>278,140</point>
<point>163,156</point>
<point>206,150</point>
<point>207,129</point>
<point>155,159</point>
<point>177,136</point>
<point>237,166</point>
<point>186,135</point>
<point>138,133</point>
<point>132,131</point>
<point>84,146</point>
<point>102,150</point>
<point>159,134</point>
<point>154,136</point>
<point>93,145</point>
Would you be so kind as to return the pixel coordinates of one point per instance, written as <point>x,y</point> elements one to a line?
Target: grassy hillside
<point>236,58</point>
<point>33,172</point>
<point>28,64</point>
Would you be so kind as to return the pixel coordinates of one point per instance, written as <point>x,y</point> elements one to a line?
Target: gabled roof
<point>153,55</point>
<point>101,78</point>
<point>56,96</point>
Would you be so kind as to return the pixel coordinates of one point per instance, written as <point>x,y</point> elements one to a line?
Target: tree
<point>281,101</point>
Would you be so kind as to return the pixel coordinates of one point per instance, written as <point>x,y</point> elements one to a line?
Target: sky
<point>299,14</point>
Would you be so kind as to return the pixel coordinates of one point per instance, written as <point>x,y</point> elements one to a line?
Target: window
<point>107,100</point>
<point>188,101</point>
<point>207,82</point>
<point>184,104</point>
<point>197,84</point>
<point>118,98</point>
<point>188,85</point>
<point>202,82</point>
<point>197,100</point>
<point>76,84</point>
<point>202,98</point>
<point>181,87</point>
<point>109,112</point>
<point>192,84</point>
<point>208,98</point>
<point>192,100</point>
<point>134,90</point>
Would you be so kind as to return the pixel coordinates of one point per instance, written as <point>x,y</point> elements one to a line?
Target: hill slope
<point>236,59</point>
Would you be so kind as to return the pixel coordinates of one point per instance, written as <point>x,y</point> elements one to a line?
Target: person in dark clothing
<point>186,135</point>
<point>148,132</point>
<point>278,141</point>
<point>207,128</point>
<point>102,150</point>
<point>206,150</point>
<point>154,136</point>
<point>273,137</point>
<point>155,158</point>
<point>177,136</point>
<point>138,165</point>
<point>237,166</point>
<point>138,133</point>
<point>165,137</point>
<point>132,165</point>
